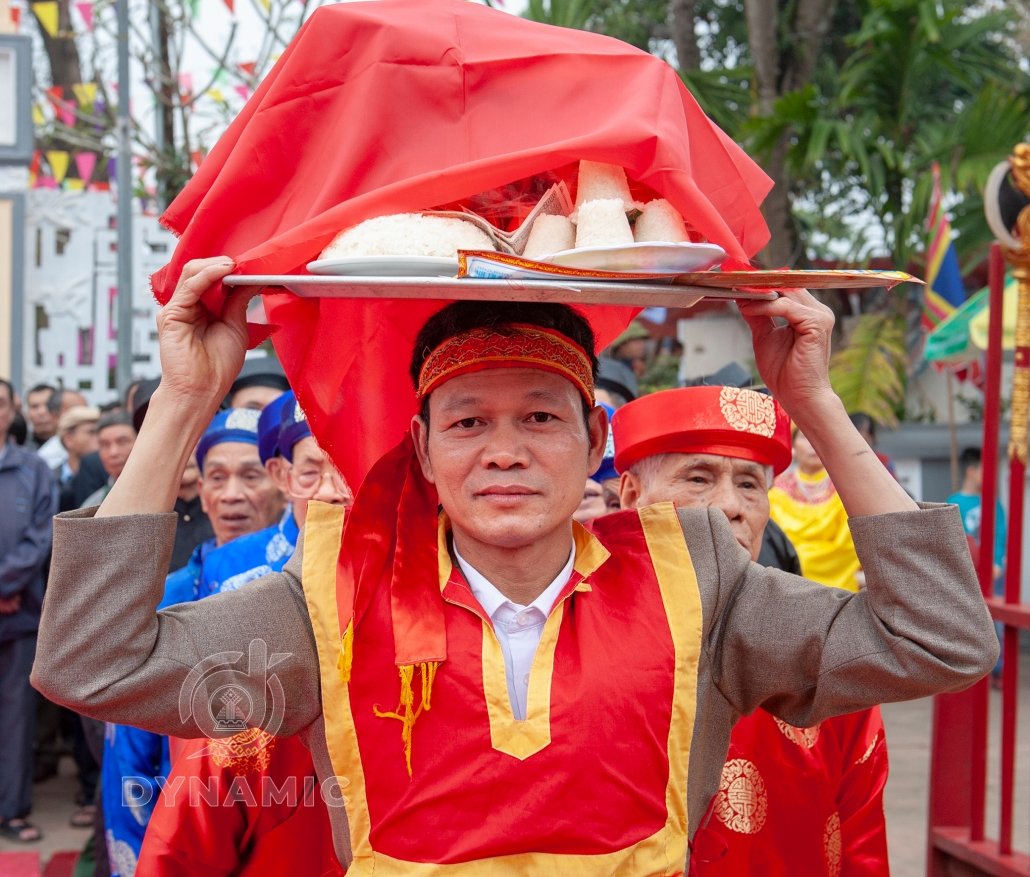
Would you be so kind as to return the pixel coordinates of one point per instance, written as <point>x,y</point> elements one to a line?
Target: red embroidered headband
<point>514,345</point>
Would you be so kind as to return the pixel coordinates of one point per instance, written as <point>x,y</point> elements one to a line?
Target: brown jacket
<point>800,650</point>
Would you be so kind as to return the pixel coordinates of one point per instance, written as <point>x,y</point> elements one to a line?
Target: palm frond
<point>869,374</point>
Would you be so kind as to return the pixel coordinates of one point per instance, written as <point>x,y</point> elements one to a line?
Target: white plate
<point>644,258</point>
<point>386,266</point>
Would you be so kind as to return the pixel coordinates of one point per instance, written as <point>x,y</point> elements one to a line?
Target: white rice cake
<point>603,223</point>
<point>408,234</point>
<point>550,234</point>
<point>599,181</point>
<point>660,221</point>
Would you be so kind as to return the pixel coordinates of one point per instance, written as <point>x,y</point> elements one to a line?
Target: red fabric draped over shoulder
<point>402,105</point>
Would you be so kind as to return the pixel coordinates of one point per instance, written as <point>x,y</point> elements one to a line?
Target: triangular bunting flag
<point>46,183</point>
<point>85,93</point>
<point>73,185</point>
<point>67,113</point>
<point>85,162</point>
<point>47,15</point>
<point>37,159</point>
<point>242,90</point>
<point>58,161</point>
<point>248,67</point>
<point>266,4</point>
<point>229,4</point>
<point>197,157</point>
<point>16,16</point>
<point>37,115</point>
<point>186,83</point>
<point>86,11</point>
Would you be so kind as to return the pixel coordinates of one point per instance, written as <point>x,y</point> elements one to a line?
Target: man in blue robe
<point>306,474</point>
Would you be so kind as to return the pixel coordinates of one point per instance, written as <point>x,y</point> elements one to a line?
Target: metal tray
<point>592,292</point>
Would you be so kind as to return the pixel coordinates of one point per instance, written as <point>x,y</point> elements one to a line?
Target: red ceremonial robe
<point>248,806</point>
<point>801,802</point>
<point>404,105</point>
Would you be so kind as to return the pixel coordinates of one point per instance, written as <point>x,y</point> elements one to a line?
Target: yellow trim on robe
<point>681,597</point>
<point>664,853</point>
<point>323,531</point>
<point>820,533</point>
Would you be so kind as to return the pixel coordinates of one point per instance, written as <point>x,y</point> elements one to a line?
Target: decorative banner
<point>37,159</point>
<point>86,11</point>
<point>73,185</point>
<point>112,168</point>
<point>197,156</point>
<point>66,112</point>
<point>85,162</point>
<point>37,115</point>
<point>229,4</point>
<point>85,93</point>
<point>248,67</point>
<point>58,161</point>
<point>16,16</point>
<point>47,15</point>
<point>186,83</point>
<point>46,183</point>
<point>243,91</point>
<point>221,76</point>
<point>266,5</point>
<point>216,94</point>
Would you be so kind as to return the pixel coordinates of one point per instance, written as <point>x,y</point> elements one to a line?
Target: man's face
<point>592,505</point>
<point>82,439</point>
<point>976,477</point>
<point>7,411</point>
<point>634,354</point>
<point>236,492</point>
<point>509,453</point>
<point>114,443</point>
<point>70,399</point>
<point>44,424</point>
<point>312,476</point>
<point>739,488</point>
<point>256,397</point>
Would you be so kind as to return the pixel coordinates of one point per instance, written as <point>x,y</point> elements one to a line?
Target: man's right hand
<point>201,354</point>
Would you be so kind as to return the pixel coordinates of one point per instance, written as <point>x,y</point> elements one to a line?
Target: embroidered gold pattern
<point>249,751</point>
<point>748,411</point>
<point>869,751</point>
<point>804,737</point>
<point>742,803</point>
<point>532,346</point>
<point>832,846</point>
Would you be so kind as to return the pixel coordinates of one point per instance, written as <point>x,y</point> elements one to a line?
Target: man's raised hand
<point>793,359</point>
<point>201,354</point>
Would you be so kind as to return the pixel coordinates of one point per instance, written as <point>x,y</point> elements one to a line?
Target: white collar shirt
<point>518,628</point>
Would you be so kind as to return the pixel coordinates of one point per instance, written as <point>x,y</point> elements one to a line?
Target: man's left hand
<point>793,359</point>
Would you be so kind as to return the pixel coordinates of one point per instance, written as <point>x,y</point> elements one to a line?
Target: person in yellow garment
<point>807,507</point>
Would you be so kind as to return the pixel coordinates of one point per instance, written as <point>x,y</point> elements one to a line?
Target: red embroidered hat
<point>703,420</point>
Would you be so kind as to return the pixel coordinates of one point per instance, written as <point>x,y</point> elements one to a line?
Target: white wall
<point>71,285</point>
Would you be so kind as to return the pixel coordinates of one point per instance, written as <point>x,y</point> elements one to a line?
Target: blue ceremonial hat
<point>607,469</point>
<point>294,428</point>
<point>269,422</point>
<point>232,425</point>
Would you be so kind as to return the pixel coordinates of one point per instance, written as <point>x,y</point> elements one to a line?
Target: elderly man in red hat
<point>490,688</point>
<point>791,800</point>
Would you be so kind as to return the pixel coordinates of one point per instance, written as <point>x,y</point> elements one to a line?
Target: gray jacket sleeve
<point>806,652</point>
<point>104,651</point>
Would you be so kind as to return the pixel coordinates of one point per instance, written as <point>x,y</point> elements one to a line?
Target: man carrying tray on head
<point>498,658</point>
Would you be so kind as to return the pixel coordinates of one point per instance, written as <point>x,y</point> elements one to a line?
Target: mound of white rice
<point>549,235</point>
<point>408,234</point>
<point>603,223</point>
<point>660,221</point>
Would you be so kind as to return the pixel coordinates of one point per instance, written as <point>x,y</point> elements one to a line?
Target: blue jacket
<point>250,557</point>
<point>28,503</point>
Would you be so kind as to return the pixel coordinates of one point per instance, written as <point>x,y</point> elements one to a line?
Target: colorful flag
<point>944,288</point>
<point>58,161</point>
<point>86,11</point>
<point>85,93</point>
<point>85,162</point>
<point>47,15</point>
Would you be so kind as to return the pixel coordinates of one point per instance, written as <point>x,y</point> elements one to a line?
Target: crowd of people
<point>790,800</point>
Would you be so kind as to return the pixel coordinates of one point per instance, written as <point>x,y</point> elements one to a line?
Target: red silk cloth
<point>724,421</point>
<point>799,801</point>
<point>403,105</point>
